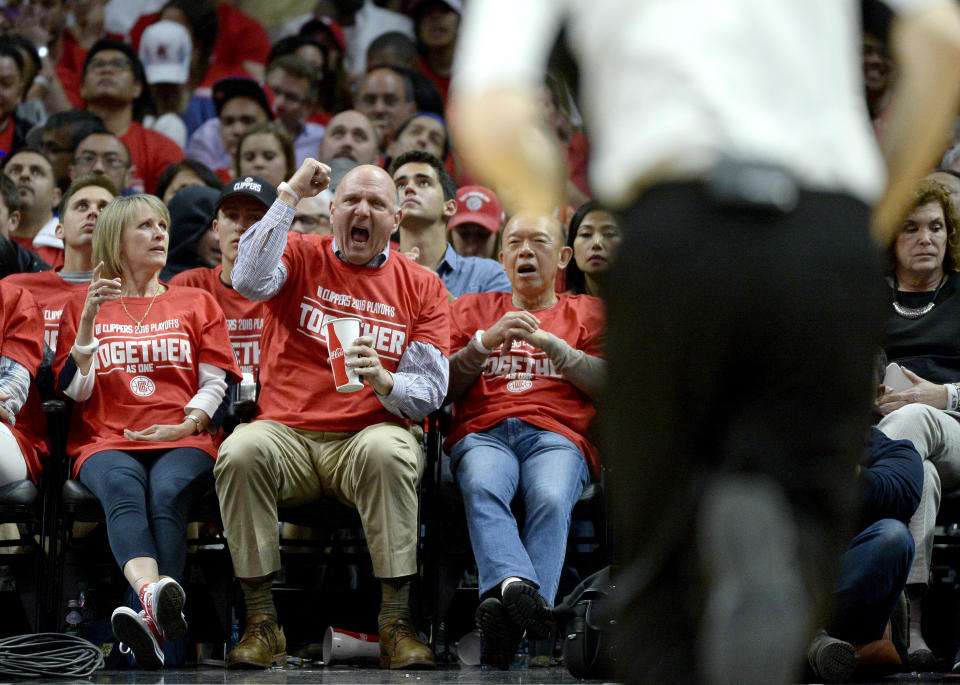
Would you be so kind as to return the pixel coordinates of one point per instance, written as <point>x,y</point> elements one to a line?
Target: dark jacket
<point>191,213</point>
<point>890,481</point>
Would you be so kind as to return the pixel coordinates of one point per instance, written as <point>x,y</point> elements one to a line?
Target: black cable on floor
<point>48,655</point>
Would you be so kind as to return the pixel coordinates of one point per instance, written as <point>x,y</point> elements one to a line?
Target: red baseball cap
<point>478,205</point>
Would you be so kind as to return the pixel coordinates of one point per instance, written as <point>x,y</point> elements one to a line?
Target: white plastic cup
<point>468,648</point>
<point>342,332</point>
<point>342,646</point>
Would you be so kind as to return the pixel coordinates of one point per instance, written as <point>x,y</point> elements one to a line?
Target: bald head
<point>533,250</point>
<point>349,134</point>
<point>364,213</point>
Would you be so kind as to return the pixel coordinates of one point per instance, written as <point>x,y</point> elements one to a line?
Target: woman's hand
<point>922,392</point>
<point>101,290</point>
<point>163,432</point>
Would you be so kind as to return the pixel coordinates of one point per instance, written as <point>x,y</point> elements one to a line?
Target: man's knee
<point>391,452</point>
<point>245,453</point>
<point>893,541</point>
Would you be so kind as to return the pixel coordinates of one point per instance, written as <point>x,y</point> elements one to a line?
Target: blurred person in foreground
<point>747,387</point>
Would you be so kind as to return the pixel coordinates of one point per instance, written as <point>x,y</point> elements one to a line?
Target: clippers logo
<point>141,386</point>
<point>246,184</point>
<point>475,201</point>
<point>519,385</point>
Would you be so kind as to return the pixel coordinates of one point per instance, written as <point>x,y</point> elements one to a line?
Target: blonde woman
<point>148,366</point>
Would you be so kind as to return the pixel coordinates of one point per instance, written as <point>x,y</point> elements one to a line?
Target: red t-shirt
<point>397,303</point>
<point>144,376</point>
<point>53,256</point>
<point>240,38</point>
<point>51,293</point>
<point>22,329</point>
<point>244,317</point>
<point>150,153</point>
<point>524,384</point>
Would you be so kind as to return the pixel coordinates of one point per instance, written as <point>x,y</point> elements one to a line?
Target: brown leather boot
<point>401,647</point>
<point>262,645</point>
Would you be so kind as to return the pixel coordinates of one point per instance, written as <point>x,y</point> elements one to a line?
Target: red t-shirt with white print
<point>22,328</point>
<point>397,303</point>
<point>144,375</point>
<point>244,317</point>
<point>51,293</point>
<point>523,382</point>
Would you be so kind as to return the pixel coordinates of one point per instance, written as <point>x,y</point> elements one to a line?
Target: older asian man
<point>524,376</point>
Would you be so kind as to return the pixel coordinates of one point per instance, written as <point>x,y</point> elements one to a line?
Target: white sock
<point>505,583</point>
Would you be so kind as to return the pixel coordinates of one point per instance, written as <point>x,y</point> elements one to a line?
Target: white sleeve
<point>213,386</point>
<point>505,43</point>
<point>81,387</point>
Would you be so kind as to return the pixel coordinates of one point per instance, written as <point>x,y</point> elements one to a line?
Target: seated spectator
<point>115,88</point>
<point>476,225</point>
<point>428,199</point>
<point>349,135</point>
<point>873,570</point>
<point>523,377</point>
<point>293,84</point>
<point>329,92</point>
<point>423,131</point>
<point>437,22</point>
<point>189,172</point>
<point>594,237</point>
<point>140,439</point>
<point>14,258</point>
<point>241,204</point>
<point>354,446</point>
<point>266,150</point>
<point>335,95</point>
<point>386,97</point>
<point>240,104</point>
<point>192,240</point>
<point>361,23</point>
<point>166,50</point>
<point>31,108</point>
<point>21,351</point>
<point>81,205</point>
<point>921,328</point>
<point>313,214</point>
<point>60,137</point>
<point>104,154</point>
<point>39,195</point>
<point>13,131</point>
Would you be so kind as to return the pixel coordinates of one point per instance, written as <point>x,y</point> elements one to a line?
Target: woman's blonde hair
<point>110,225</point>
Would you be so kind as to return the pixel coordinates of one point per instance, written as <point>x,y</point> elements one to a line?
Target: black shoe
<point>499,635</point>
<point>924,661</point>
<point>529,609</point>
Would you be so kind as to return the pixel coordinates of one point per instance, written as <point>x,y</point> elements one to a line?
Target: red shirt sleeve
<point>433,323</point>
<point>22,327</point>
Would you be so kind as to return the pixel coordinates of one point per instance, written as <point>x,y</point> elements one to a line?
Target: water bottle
<point>74,618</point>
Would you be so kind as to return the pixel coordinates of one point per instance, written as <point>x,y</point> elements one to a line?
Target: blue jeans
<point>548,471</point>
<point>873,573</point>
<point>146,497</point>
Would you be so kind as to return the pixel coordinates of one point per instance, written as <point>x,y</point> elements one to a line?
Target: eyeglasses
<point>116,64</point>
<point>311,221</point>
<point>111,160</point>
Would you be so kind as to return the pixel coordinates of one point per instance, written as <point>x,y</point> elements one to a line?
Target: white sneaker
<point>138,633</point>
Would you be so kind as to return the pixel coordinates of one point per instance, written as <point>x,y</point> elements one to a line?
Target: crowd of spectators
<point>298,169</point>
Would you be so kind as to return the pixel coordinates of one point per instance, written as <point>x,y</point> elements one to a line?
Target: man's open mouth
<point>359,235</point>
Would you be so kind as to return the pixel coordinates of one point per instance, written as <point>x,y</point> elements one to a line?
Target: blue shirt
<point>462,275</point>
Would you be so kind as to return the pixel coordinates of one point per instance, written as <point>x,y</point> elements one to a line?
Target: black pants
<point>739,340</point>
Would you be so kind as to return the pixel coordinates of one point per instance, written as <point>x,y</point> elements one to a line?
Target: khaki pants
<point>264,464</point>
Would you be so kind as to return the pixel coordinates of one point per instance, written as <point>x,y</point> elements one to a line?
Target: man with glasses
<point>293,83</point>
<point>313,214</point>
<point>60,137</point>
<point>103,154</point>
<point>114,87</point>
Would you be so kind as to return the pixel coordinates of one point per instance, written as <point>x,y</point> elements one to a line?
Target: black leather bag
<point>588,619</point>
